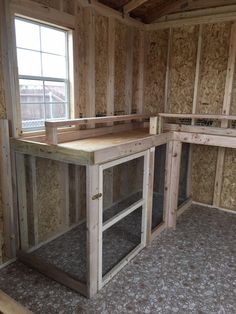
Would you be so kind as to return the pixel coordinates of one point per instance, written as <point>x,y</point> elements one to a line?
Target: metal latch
<point>96,196</point>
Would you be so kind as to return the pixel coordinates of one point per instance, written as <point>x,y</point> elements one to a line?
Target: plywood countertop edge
<point>55,152</point>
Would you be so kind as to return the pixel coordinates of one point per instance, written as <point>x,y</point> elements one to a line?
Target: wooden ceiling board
<point>179,6</point>
<point>117,5</point>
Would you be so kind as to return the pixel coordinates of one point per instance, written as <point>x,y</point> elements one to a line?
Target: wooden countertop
<point>105,141</point>
<point>94,150</point>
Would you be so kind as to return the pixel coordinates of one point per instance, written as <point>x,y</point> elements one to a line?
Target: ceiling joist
<point>170,7</point>
<point>133,4</point>
<point>167,8</point>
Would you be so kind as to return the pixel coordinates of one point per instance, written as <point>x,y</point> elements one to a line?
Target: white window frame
<point>54,17</point>
<point>68,80</point>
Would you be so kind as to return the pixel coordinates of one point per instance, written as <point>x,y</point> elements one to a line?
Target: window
<point>42,56</point>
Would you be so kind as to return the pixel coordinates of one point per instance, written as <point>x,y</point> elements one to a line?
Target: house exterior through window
<point>43,66</point>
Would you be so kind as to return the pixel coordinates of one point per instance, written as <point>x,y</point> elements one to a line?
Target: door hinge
<point>96,196</point>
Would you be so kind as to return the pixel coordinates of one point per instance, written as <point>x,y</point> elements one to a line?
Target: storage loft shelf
<point>194,123</point>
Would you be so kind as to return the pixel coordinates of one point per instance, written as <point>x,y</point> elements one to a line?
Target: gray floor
<point>190,270</point>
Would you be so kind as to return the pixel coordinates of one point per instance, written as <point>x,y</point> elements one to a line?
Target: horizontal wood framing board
<point>73,134</point>
<point>94,120</point>
<point>198,116</point>
<point>205,139</point>
<point>10,306</point>
<point>204,16</point>
<point>53,272</point>
<point>133,4</point>
<point>183,207</point>
<point>52,152</point>
<point>42,12</point>
<point>52,126</point>
<point>130,148</point>
<point>168,127</point>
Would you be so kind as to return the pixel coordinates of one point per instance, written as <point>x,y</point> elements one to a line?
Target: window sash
<point>44,79</point>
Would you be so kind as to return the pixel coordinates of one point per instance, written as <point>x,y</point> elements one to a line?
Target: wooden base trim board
<point>52,238</point>
<point>230,211</point>
<point>157,231</point>
<point>121,264</point>
<point>10,306</point>
<point>7,263</point>
<point>53,272</point>
<point>183,207</point>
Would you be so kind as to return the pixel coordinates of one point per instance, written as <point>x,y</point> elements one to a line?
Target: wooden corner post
<point>6,189</point>
<point>172,182</point>
<point>92,221</point>
<point>150,184</point>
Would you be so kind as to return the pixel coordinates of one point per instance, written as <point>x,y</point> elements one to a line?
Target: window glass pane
<point>54,66</point>
<point>31,91</point>
<point>53,41</point>
<point>27,35</point>
<point>32,115</point>
<point>28,62</point>
<point>56,110</point>
<point>55,92</point>
<point>158,186</point>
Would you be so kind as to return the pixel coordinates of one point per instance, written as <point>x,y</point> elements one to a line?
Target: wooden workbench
<point>95,150</point>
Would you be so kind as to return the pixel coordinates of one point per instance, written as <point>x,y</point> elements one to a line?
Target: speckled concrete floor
<point>189,270</point>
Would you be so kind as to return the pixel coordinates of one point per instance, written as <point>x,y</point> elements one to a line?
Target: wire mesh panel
<point>183,181</point>
<point>122,186</point>
<point>122,213</point>
<point>158,186</point>
<point>121,239</point>
<point>55,215</point>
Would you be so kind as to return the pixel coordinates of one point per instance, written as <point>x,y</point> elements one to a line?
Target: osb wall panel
<point>228,192</point>
<point>215,47</point>
<point>101,63</point>
<point>29,197</point>
<point>120,66</point>
<point>136,53</point>
<point>50,198</point>
<point>155,71</point>
<point>77,193</point>
<point>68,6</point>
<point>182,69</point>
<point>204,159</point>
